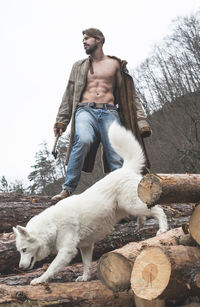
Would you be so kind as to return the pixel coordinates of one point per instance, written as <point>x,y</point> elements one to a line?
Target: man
<point>99,91</point>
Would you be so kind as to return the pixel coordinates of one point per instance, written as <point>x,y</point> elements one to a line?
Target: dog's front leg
<point>86,253</point>
<point>63,258</point>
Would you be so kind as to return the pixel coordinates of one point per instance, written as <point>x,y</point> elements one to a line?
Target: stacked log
<point>194,224</point>
<point>146,272</point>
<point>165,188</point>
<point>91,293</point>
<point>115,267</point>
<point>159,269</point>
<point>17,209</point>
<point>167,272</point>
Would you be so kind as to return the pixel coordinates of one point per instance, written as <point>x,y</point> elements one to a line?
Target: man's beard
<point>91,49</point>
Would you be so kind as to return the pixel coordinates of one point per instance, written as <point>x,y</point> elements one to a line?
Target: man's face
<point>90,44</point>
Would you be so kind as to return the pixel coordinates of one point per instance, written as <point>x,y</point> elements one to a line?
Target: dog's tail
<point>126,145</point>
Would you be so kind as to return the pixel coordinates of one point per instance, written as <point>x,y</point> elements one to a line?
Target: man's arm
<point>65,109</point>
<point>141,118</point>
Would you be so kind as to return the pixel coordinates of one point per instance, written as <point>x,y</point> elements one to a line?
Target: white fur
<point>80,220</point>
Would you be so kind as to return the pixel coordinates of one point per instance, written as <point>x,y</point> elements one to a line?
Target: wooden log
<point>115,267</point>
<point>140,302</point>
<point>9,257</point>
<point>167,272</point>
<point>72,294</point>
<point>67,274</point>
<point>17,209</point>
<point>166,188</point>
<point>120,236</point>
<point>194,224</point>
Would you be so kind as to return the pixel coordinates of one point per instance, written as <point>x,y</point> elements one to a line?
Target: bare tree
<point>173,70</point>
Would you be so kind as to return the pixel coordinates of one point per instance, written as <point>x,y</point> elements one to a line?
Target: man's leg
<point>106,119</point>
<point>85,135</point>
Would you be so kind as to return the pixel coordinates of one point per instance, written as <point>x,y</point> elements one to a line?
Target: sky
<point>39,42</point>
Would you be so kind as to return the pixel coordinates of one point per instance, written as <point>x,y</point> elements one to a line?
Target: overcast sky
<point>39,42</point>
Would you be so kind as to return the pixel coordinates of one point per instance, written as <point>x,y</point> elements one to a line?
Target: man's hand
<point>58,131</point>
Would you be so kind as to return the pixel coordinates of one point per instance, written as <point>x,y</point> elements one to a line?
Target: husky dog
<point>80,220</point>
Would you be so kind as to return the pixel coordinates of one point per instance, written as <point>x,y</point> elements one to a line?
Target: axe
<point>54,151</point>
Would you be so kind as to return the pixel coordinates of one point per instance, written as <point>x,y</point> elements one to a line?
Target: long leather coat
<point>130,109</point>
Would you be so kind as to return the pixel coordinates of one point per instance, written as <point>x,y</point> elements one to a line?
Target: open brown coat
<point>130,109</point>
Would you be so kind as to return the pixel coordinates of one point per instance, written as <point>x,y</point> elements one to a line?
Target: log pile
<point>165,267</point>
<point>158,269</point>
<point>143,273</point>
<point>118,263</point>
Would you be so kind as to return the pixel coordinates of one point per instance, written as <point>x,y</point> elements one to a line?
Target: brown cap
<point>93,32</point>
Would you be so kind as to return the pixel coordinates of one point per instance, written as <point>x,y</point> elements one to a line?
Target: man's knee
<point>83,142</point>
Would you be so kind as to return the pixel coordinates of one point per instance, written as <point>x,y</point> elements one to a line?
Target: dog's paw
<point>37,281</point>
<point>140,222</point>
<point>81,278</point>
<point>160,231</point>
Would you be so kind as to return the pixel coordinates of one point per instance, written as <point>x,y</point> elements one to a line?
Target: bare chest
<point>102,71</point>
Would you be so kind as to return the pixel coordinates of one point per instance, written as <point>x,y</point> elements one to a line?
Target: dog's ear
<point>31,240</point>
<point>15,231</point>
<point>22,230</point>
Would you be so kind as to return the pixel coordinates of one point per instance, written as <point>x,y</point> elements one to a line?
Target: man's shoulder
<point>80,62</point>
<point>122,63</point>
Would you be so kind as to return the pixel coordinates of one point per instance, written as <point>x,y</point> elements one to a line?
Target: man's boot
<point>63,194</point>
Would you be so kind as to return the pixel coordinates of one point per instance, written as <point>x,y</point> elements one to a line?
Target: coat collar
<point>122,63</point>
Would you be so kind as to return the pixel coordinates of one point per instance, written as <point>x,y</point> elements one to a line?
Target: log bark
<point>166,188</point>
<point>167,272</point>
<point>140,302</point>
<point>115,267</point>
<point>19,209</point>
<point>82,294</point>
<point>68,274</point>
<point>194,224</point>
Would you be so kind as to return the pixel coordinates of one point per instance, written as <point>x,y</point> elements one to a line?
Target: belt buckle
<point>91,104</point>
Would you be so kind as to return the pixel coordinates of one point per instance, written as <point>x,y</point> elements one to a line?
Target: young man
<point>99,91</point>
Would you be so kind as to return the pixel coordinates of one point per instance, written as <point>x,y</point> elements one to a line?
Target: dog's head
<point>27,246</point>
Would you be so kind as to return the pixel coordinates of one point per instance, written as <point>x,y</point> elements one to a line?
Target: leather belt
<point>98,105</point>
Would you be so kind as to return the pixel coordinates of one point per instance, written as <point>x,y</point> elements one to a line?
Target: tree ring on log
<point>194,224</point>
<point>151,273</point>
<point>150,189</point>
<point>114,271</point>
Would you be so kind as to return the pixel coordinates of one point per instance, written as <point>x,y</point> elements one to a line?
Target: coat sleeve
<point>141,119</point>
<point>65,109</point>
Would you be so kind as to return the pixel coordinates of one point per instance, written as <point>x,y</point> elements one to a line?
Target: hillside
<point>174,146</point>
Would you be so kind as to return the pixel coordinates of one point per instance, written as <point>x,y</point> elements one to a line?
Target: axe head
<point>54,151</point>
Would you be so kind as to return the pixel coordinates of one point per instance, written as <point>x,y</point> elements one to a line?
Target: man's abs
<point>100,85</point>
<point>98,91</point>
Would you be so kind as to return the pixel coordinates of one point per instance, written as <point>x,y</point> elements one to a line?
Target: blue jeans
<point>91,125</point>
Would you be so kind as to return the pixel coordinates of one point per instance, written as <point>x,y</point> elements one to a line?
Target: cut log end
<point>194,224</point>
<point>114,271</point>
<point>150,189</point>
<point>151,273</point>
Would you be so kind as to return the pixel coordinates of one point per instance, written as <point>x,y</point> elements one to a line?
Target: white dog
<point>81,220</point>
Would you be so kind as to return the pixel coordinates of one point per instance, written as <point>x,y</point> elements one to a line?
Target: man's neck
<point>98,56</point>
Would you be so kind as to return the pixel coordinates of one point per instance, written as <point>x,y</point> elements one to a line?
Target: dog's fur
<point>80,220</point>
